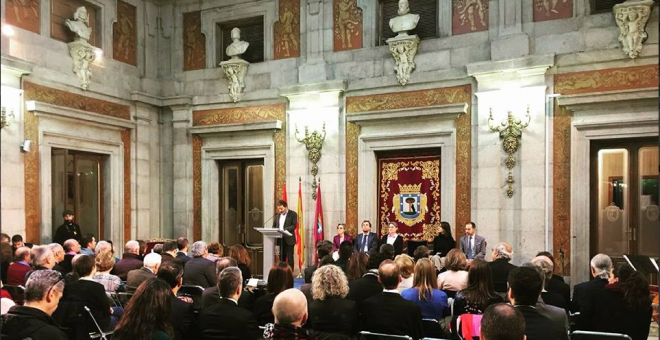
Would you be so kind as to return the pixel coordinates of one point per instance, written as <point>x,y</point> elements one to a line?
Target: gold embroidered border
<point>32,209</point>
<point>75,101</point>
<point>463,170</point>
<point>352,135</point>
<point>613,79</point>
<point>126,140</point>
<point>197,143</point>
<point>561,189</point>
<point>400,100</point>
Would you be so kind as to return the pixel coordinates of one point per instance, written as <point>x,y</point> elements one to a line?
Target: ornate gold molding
<point>126,140</point>
<point>197,143</point>
<point>463,169</point>
<point>510,131</point>
<point>352,135</point>
<point>235,115</point>
<point>561,189</point>
<point>32,209</point>
<point>408,99</point>
<point>623,78</point>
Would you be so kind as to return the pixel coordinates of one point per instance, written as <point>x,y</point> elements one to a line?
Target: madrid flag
<point>300,231</point>
<point>318,221</point>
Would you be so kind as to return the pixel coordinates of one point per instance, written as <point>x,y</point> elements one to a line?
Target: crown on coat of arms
<point>410,188</point>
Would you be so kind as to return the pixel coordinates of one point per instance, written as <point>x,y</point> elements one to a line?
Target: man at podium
<point>286,220</point>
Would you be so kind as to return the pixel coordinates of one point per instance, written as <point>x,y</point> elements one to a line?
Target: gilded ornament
<point>510,132</point>
<point>314,143</point>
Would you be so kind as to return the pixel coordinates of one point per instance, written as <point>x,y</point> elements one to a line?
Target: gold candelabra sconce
<point>5,117</point>
<point>314,143</point>
<point>510,133</point>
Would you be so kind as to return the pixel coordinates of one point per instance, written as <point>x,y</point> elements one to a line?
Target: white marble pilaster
<point>182,206</point>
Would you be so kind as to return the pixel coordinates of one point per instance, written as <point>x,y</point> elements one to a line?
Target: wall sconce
<point>510,133</point>
<point>314,143</point>
<point>4,117</point>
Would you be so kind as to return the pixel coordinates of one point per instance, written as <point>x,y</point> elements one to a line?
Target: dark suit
<point>442,245</point>
<point>66,263</point>
<point>67,231</point>
<point>200,272</point>
<point>92,294</point>
<point>226,320</point>
<point>554,299</point>
<point>182,319</point>
<point>582,292</point>
<point>211,296</point>
<point>398,244</point>
<point>479,246</point>
<point>558,286</point>
<point>263,309</point>
<point>135,278</point>
<point>127,263</point>
<point>500,269</point>
<point>333,315</point>
<point>389,313</point>
<point>372,241</point>
<point>538,327</point>
<point>556,314</point>
<point>183,257</point>
<point>364,288</point>
<point>287,242</point>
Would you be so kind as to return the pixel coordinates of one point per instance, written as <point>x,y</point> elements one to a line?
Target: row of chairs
<point>577,335</point>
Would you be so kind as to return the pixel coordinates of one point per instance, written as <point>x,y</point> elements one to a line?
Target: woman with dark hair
<point>216,251</point>
<point>623,307</point>
<point>424,292</point>
<point>345,253</point>
<point>357,266</point>
<point>148,313</point>
<point>143,249</point>
<point>444,242</point>
<point>341,237</point>
<point>280,278</point>
<point>479,293</point>
<point>240,254</point>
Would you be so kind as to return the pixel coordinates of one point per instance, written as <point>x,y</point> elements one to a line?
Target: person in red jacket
<point>20,267</point>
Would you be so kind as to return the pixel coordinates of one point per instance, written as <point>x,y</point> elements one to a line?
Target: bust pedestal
<point>235,70</point>
<point>404,49</point>
<point>83,55</point>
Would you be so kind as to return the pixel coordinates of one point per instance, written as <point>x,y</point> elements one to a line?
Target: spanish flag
<point>318,221</point>
<point>300,230</point>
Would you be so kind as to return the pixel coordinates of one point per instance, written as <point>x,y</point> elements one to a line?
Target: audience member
<point>19,268</point>
<point>104,246</point>
<point>104,263</point>
<point>601,266</point>
<point>68,229</point>
<point>368,285</point>
<point>33,320</point>
<point>136,276</point>
<point>387,250</point>
<point>341,237</point>
<point>148,314</point>
<point>226,320</point>
<point>58,253</point>
<point>17,242</point>
<point>290,310</point>
<point>444,242</point>
<point>142,249</point>
<point>87,244</point>
<point>554,313</point>
<point>216,251</point>
<point>42,258</point>
<point>169,251</point>
<point>556,284</point>
<point>393,238</point>
<point>6,301</point>
<point>345,253</point>
<point>4,238</point>
<point>71,248</point>
<point>158,249</point>
<point>549,298</point>
<point>357,266</point>
<point>130,260</point>
<point>183,316</point>
<point>406,268</point>
<point>306,288</point>
<point>502,322</point>
<point>199,271</point>
<point>425,293</point>
<point>6,258</point>
<point>182,246</point>
<point>388,312</point>
<point>478,295</point>
<point>280,278</point>
<point>624,306</point>
<point>323,249</point>
<point>525,285</point>
<point>329,311</point>
<point>455,278</point>
<point>366,241</point>
<point>240,254</point>
<point>500,267</point>
<point>422,252</point>
<point>471,244</point>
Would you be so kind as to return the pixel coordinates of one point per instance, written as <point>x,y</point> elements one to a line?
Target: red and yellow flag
<point>300,230</point>
<point>284,193</point>
<point>318,220</point>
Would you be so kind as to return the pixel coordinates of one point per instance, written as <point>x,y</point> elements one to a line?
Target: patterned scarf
<point>286,332</point>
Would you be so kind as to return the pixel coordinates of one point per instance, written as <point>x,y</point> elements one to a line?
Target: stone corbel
<point>235,71</point>
<point>83,56</point>
<point>631,17</point>
<point>404,50</point>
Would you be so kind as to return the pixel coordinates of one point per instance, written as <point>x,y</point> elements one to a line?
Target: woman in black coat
<point>280,278</point>
<point>393,238</point>
<point>331,315</point>
<point>444,242</point>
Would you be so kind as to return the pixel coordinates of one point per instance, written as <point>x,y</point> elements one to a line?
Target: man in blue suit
<point>473,245</point>
<point>366,241</point>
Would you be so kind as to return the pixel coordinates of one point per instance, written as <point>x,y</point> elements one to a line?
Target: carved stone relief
<point>286,30</point>
<point>124,34</point>
<point>194,42</point>
<point>631,17</point>
<point>236,68</point>
<point>80,50</point>
<point>24,14</point>
<point>469,16</point>
<point>347,31</point>
<point>403,46</point>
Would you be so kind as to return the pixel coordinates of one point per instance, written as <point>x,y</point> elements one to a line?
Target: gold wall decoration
<point>561,189</point>
<point>286,30</point>
<point>411,99</point>
<point>126,140</point>
<point>314,143</point>
<point>614,79</point>
<point>124,34</point>
<point>197,143</point>
<point>510,133</point>
<point>347,30</point>
<point>469,16</point>
<point>31,176</point>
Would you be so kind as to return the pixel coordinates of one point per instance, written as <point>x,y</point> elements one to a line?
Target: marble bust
<point>405,21</point>
<point>80,24</point>
<point>237,47</point>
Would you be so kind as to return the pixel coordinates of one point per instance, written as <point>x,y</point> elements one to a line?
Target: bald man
<point>500,266</point>
<point>290,310</point>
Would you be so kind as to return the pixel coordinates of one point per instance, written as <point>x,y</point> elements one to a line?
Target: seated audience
<point>306,288</point>
<point>550,298</point>
<point>290,310</point>
<point>387,250</point>
<point>71,248</point>
<point>17,242</point>
<point>525,285</point>
<point>240,254</point>
<point>323,249</point>
<point>211,295</point>
<point>502,322</point>
<point>142,249</point>
<point>456,277</point>
<point>199,271</point>
<point>422,252</point>
<point>393,238</point>
<point>601,266</point>
<point>368,285</point>
<point>169,251</point>
<point>357,266</point>
<point>6,258</point>
<point>425,293</point>
<point>226,320</point>
<point>104,264</point>
<point>280,278</point>
<point>87,244</point>
<point>33,320</point>
<point>556,284</point>
<point>148,313</point>
<point>624,306</point>
<point>554,313</point>
<point>345,253</point>
<point>42,258</point>
<point>130,260</point>
<point>104,246</point>
<point>216,251</point>
<point>4,238</point>
<point>388,312</point>
<point>158,249</point>
<point>478,295</point>
<point>183,316</point>
<point>500,267</point>
<point>136,276</point>
<point>19,268</point>
<point>182,246</point>
<point>406,269</point>
<point>6,301</point>
<point>329,312</point>
<point>341,237</point>
<point>58,253</point>
<point>444,242</point>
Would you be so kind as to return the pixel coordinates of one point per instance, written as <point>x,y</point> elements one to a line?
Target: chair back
<point>100,334</point>
<point>364,335</point>
<point>588,335</point>
<point>17,293</point>
<point>193,292</point>
<point>432,328</point>
<point>468,326</point>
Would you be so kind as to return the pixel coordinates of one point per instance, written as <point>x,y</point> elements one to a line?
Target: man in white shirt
<point>286,220</point>
<point>366,242</point>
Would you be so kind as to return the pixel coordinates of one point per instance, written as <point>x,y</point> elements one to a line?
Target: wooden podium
<point>271,235</point>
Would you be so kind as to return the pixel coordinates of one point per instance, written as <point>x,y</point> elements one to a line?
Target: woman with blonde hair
<point>104,262</point>
<point>406,267</point>
<point>330,314</point>
<point>455,278</point>
<point>432,301</point>
<point>240,254</point>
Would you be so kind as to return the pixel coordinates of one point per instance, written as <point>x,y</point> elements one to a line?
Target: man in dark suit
<point>368,285</point>
<point>136,276</point>
<point>525,285</point>
<point>182,246</point>
<point>549,297</point>
<point>226,320</point>
<point>211,295</point>
<point>502,321</point>
<point>473,245</point>
<point>169,253</point>
<point>323,248</point>
<point>68,229</point>
<point>366,242</point>
<point>200,271</point>
<point>601,265</point>
<point>556,284</point>
<point>500,266</point>
<point>183,316</point>
<point>286,220</point>
<point>388,312</point>
<point>130,260</point>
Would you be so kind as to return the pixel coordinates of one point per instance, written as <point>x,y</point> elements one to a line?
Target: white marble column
<point>182,208</point>
<point>511,42</point>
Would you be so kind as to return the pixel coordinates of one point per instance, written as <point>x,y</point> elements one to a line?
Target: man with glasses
<point>33,320</point>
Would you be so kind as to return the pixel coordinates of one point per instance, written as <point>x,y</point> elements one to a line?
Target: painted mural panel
<point>469,16</point>
<point>347,31</point>
<point>552,9</point>
<point>124,34</point>
<point>286,30</point>
<point>194,42</point>
<point>23,14</point>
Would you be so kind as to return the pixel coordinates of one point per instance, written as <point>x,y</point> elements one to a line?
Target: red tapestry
<point>409,195</point>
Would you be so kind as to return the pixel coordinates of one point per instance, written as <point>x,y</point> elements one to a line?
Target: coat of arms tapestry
<point>409,195</point>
